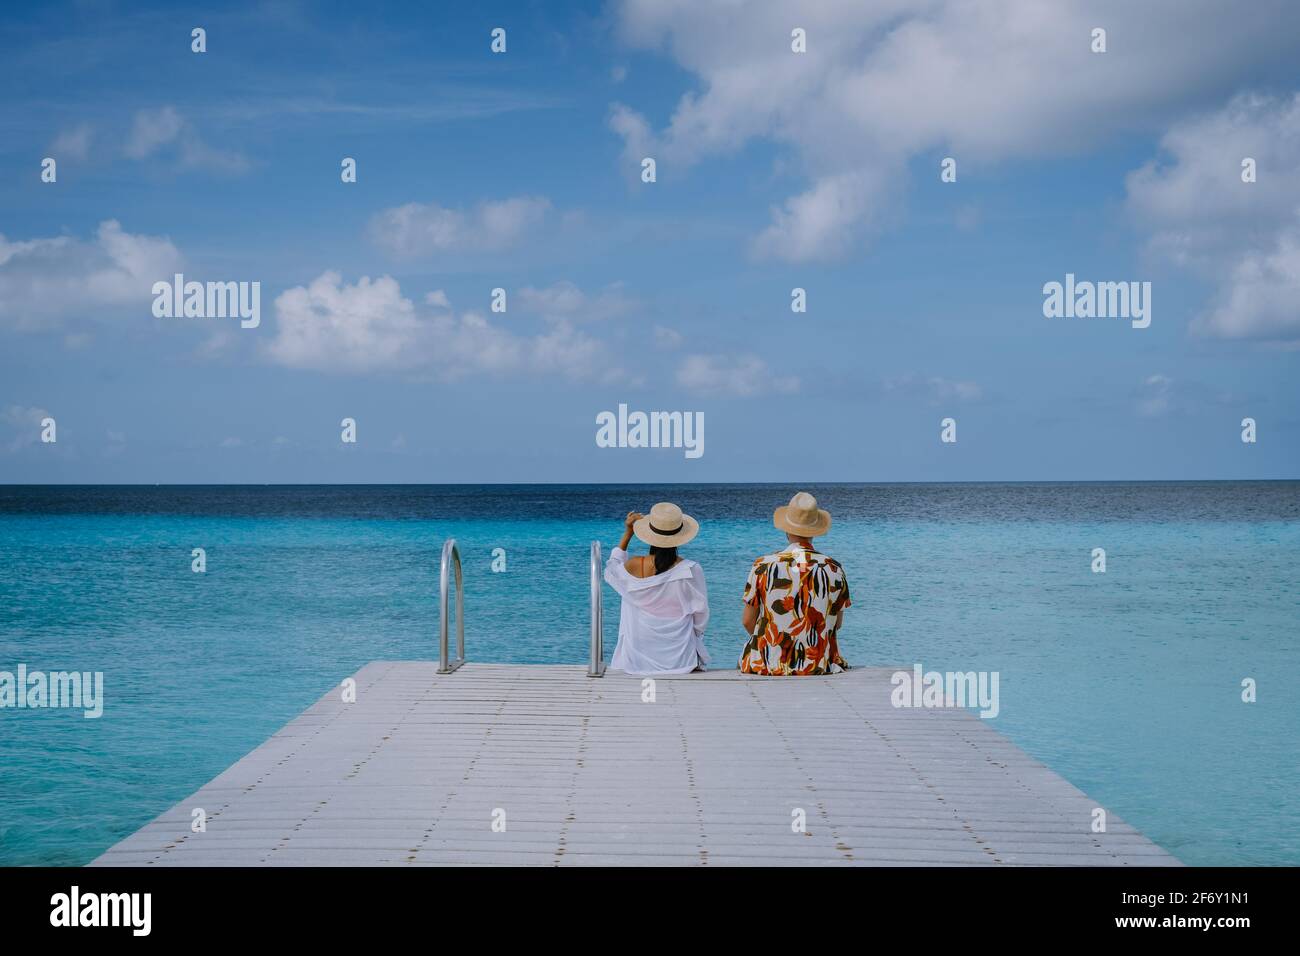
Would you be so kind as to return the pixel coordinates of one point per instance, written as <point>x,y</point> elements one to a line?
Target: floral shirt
<point>799,595</point>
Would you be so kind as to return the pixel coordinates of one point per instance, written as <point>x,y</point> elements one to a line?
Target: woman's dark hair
<point>665,558</point>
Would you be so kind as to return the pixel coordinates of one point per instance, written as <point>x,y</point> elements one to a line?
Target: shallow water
<point>1127,683</point>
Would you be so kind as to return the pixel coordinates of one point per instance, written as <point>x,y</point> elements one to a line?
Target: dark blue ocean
<point>1128,683</point>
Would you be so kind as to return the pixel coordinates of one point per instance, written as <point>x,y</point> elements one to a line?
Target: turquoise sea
<point>1128,683</point>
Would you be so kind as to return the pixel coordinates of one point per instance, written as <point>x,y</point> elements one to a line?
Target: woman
<point>665,602</point>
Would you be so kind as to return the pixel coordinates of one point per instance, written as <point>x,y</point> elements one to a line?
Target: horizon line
<point>631,484</point>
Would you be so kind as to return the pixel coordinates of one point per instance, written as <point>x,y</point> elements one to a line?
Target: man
<point>795,599</point>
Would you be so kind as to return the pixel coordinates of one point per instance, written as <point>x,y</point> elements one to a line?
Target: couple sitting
<point>794,598</point>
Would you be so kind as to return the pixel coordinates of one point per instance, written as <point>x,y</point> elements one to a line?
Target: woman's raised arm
<point>632,518</point>
<point>616,574</point>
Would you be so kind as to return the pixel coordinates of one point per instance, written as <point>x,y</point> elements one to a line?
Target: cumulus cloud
<point>1243,236</point>
<point>881,83</point>
<point>349,328</point>
<point>637,135</point>
<point>165,131</point>
<point>423,229</point>
<point>1261,297</point>
<point>44,281</point>
<point>739,376</point>
<point>370,326</point>
<point>820,223</point>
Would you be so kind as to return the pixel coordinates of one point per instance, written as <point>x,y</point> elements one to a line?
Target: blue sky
<point>775,170</point>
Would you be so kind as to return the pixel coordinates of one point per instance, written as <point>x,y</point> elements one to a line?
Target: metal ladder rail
<point>596,667</point>
<point>451,558</point>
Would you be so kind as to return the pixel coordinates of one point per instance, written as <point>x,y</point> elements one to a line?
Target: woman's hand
<point>632,518</point>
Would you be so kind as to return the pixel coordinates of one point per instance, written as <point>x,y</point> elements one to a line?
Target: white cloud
<point>43,281</point>
<point>821,223</point>
<point>637,135</point>
<point>934,390</point>
<point>740,376</point>
<point>1245,237</point>
<point>1192,196</point>
<point>371,326</point>
<point>151,130</point>
<point>26,424</point>
<point>349,328</point>
<point>1159,395</point>
<point>564,300</point>
<point>156,131</point>
<point>20,416</point>
<point>195,153</point>
<point>416,229</point>
<point>1261,297</point>
<point>72,143</point>
<point>1153,396</point>
<point>883,82</point>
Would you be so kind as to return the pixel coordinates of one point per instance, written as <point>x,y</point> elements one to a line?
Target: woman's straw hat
<point>666,526</point>
<point>802,517</point>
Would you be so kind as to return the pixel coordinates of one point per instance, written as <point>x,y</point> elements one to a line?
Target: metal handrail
<point>451,556</point>
<point>597,666</point>
<point>451,559</point>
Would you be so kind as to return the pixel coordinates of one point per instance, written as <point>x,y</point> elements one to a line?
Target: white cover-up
<point>661,625</point>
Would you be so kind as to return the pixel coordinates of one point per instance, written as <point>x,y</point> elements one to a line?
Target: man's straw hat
<point>802,517</point>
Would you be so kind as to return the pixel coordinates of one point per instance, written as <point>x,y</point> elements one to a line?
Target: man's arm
<point>753,596</point>
<point>842,602</point>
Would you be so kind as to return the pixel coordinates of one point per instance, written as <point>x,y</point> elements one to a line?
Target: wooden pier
<point>514,764</point>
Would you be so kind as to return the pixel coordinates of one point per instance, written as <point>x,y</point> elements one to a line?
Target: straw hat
<point>802,517</point>
<point>666,527</point>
